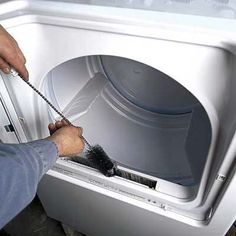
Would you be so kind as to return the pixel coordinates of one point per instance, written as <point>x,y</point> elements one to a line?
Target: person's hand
<point>67,138</point>
<point>11,55</point>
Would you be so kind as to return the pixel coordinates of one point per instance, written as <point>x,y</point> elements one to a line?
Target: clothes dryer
<point>155,89</point>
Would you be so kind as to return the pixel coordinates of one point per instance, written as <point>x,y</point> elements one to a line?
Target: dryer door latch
<point>9,128</point>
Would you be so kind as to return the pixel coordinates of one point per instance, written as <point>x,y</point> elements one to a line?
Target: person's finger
<point>59,124</point>
<point>82,145</point>
<point>20,68</point>
<point>80,131</point>
<point>10,55</point>
<point>52,128</point>
<point>65,122</point>
<point>13,40</point>
<point>20,54</point>
<point>4,66</point>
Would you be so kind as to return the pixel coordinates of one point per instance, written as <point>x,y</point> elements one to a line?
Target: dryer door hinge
<point>220,177</point>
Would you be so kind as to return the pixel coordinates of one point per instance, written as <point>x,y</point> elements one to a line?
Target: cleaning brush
<point>95,154</point>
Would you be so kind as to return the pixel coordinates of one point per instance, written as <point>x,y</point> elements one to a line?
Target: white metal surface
<point>200,58</point>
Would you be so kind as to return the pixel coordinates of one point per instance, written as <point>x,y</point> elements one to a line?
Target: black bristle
<point>98,156</point>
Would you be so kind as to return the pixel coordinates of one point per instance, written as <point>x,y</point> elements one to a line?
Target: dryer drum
<point>144,119</point>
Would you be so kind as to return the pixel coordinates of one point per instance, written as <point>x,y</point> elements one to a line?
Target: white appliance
<point>154,83</point>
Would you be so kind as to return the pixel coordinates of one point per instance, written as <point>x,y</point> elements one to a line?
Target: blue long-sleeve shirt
<point>21,168</point>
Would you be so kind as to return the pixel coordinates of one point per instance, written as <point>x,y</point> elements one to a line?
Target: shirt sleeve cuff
<point>48,152</point>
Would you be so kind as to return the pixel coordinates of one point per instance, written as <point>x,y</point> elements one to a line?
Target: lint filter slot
<point>120,172</point>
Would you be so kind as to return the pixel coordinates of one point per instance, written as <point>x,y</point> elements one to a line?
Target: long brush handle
<point>14,73</point>
<point>54,108</point>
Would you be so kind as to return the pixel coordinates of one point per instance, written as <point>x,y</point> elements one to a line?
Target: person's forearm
<point>21,168</point>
